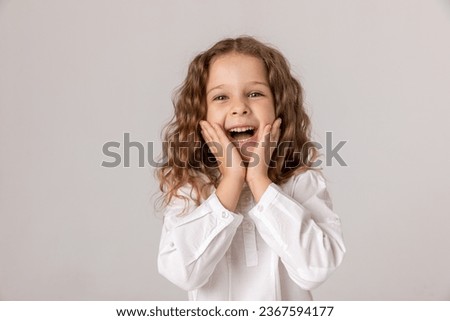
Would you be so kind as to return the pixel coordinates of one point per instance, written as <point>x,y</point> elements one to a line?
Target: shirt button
<point>225,214</point>
<point>260,208</point>
<point>248,226</point>
<point>172,244</point>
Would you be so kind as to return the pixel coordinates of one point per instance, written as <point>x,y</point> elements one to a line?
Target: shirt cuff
<point>223,214</point>
<point>266,200</point>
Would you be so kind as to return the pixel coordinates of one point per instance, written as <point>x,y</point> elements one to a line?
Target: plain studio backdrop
<point>75,75</point>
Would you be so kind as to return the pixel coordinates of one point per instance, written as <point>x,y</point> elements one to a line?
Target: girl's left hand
<point>258,167</point>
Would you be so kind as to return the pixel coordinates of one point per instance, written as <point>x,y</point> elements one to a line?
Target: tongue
<point>242,136</point>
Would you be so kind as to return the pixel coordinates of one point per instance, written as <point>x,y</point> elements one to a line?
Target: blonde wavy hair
<point>187,159</point>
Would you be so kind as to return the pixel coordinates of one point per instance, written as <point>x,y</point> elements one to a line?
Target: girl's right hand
<point>227,156</point>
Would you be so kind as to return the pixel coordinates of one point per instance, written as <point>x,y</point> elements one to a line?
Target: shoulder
<point>198,186</point>
<point>188,196</point>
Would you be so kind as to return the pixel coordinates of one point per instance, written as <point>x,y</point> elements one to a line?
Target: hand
<point>230,164</point>
<point>258,167</point>
<point>226,154</point>
<point>257,170</point>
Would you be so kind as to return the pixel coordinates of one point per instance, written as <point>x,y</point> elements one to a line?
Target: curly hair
<point>187,160</point>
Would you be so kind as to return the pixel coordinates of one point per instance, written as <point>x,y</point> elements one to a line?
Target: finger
<point>204,131</point>
<point>264,142</point>
<point>210,137</point>
<point>274,135</point>
<point>234,157</point>
<point>214,132</point>
<point>264,136</point>
<point>275,132</point>
<point>211,132</point>
<point>220,134</point>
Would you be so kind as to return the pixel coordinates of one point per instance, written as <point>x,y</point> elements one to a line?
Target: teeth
<point>240,129</point>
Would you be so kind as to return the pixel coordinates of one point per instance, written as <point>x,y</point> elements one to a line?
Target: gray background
<point>77,74</point>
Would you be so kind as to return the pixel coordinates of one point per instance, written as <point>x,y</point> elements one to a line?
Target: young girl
<point>246,216</point>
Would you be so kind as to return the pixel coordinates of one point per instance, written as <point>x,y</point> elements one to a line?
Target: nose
<point>240,108</point>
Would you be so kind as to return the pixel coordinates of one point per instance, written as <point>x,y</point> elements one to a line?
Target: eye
<point>254,94</point>
<point>220,97</point>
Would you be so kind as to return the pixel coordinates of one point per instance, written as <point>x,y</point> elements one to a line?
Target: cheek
<point>272,112</point>
<point>213,115</point>
<point>208,113</point>
<point>269,112</point>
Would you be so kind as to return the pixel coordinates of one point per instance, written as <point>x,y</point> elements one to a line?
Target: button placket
<point>248,226</point>
<point>251,251</point>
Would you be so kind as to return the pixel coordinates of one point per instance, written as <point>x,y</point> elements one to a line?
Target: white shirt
<point>278,249</point>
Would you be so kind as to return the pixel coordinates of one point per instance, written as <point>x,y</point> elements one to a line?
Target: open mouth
<point>241,133</point>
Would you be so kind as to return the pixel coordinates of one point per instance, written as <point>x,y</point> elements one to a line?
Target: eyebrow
<point>249,83</point>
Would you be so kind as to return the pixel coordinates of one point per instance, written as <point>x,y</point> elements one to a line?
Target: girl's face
<point>238,97</point>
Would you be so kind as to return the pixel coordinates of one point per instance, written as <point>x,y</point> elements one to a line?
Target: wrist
<point>254,178</point>
<point>258,186</point>
<point>234,180</point>
<point>237,176</point>
<point>229,190</point>
<point>258,181</point>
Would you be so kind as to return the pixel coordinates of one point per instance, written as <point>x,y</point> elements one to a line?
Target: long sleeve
<point>192,244</point>
<point>301,228</point>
